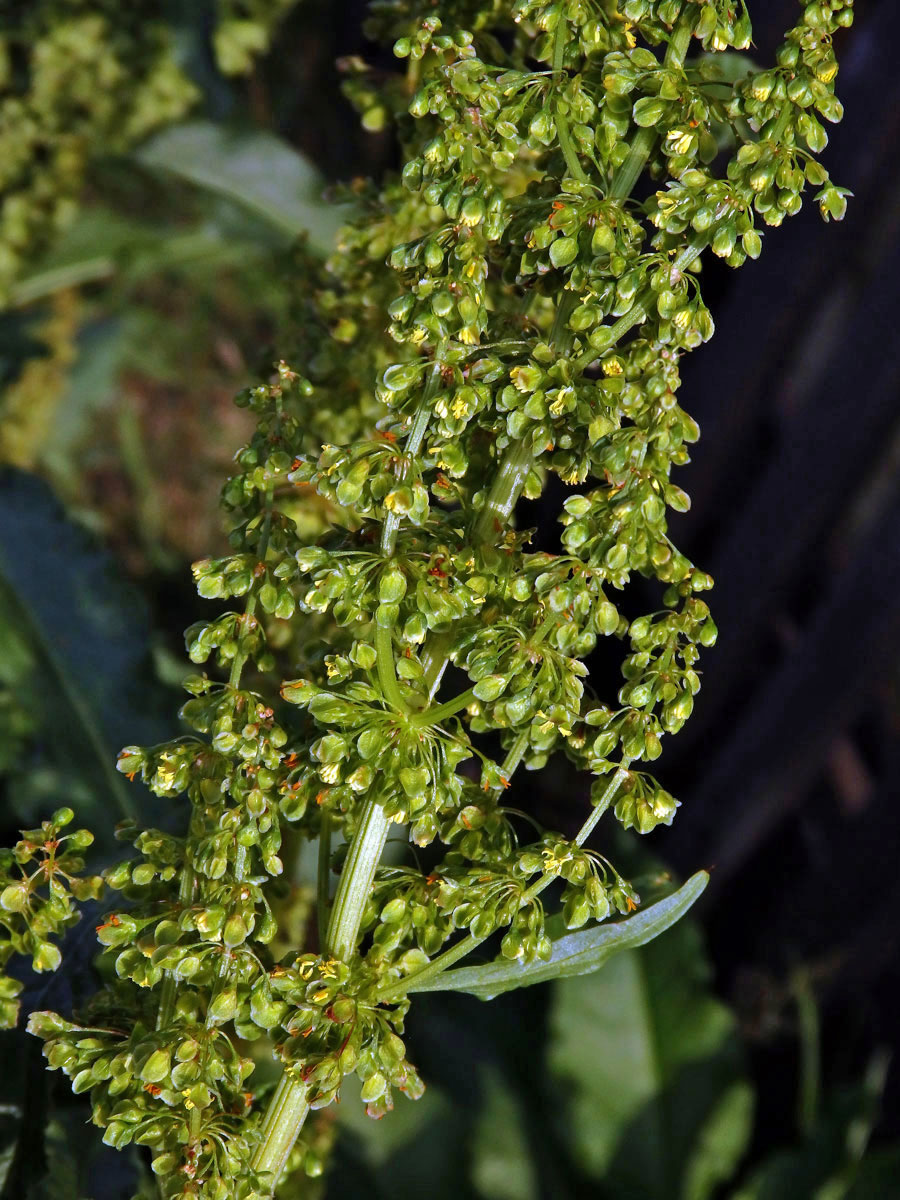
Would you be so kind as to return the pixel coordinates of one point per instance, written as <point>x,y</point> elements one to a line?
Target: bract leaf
<point>574,954</point>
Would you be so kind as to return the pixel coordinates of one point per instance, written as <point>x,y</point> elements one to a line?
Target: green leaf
<point>102,244</point>
<point>574,954</point>
<point>663,1055</point>
<point>502,1163</point>
<point>88,690</point>
<point>43,1165</point>
<point>721,1143</point>
<point>876,1175</point>
<point>254,168</point>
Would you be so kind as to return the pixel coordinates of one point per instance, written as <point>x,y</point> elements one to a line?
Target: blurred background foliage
<point>166,170</point>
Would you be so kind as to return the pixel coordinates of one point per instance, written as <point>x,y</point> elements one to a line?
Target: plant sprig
<point>504,310</point>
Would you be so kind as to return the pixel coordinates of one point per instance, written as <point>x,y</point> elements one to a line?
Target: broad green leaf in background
<point>380,1140</point>
<point>663,1062</point>
<point>255,168</point>
<point>414,1151</point>
<point>721,1142</point>
<point>123,330</point>
<point>876,1175</point>
<point>87,632</point>
<point>502,1164</point>
<point>59,1178</point>
<point>573,954</point>
<point>499,1162</point>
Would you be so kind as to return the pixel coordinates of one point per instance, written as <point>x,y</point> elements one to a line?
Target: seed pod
<point>490,687</point>
<point>401,376</point>
<point>373,1088</point>
<point>14,898</point>
<point>392,585</point>
<point>649,111</point>
<point>156,1068</point>
<point>576,911</point>
<point>472,211</point>
<point>394,911</point>
<point>563,251</point>
<point>223,1006</point>
<point>235,931</point>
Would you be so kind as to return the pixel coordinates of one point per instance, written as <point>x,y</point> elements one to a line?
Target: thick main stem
<point>356,881</point>
<point>281,1125</point>
<point>288,1107</point>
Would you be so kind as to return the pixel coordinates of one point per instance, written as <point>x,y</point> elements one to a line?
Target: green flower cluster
<point>84,78</point>
<point>181,1095</point>
<point>334,1026</point>
<point>502,311</point>
<point>41,880</point>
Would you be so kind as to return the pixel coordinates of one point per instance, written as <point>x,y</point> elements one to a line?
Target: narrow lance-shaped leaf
<point>575,954</point>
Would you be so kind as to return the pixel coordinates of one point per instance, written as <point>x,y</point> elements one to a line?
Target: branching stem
<point>466,945</point>
<point>566,144</point>
<point>387,672</point>
<point>644,140</point>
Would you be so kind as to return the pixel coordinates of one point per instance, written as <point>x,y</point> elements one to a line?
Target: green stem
<point>437,966</point>
<point>505,491</point>
<point>288,1107</point>
<point>322,873</point>
<point>566,144</point>
<point>781,123</point>
<point>603,803</point>
<point>638,311</point>
<point>559,334</point>
<point>642,146</point>
<point>387,674</point>
<point>627,175</point>
<point>516,753</point>
<point>810,1064</point>
<point>413,445</point>
<point>54,279</point>
<point>439,712</point>
<point>167,989</point>
<point>356,881</point>
<point>280,1126</point>
<point>434,658</point>
<point>492,517</point>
